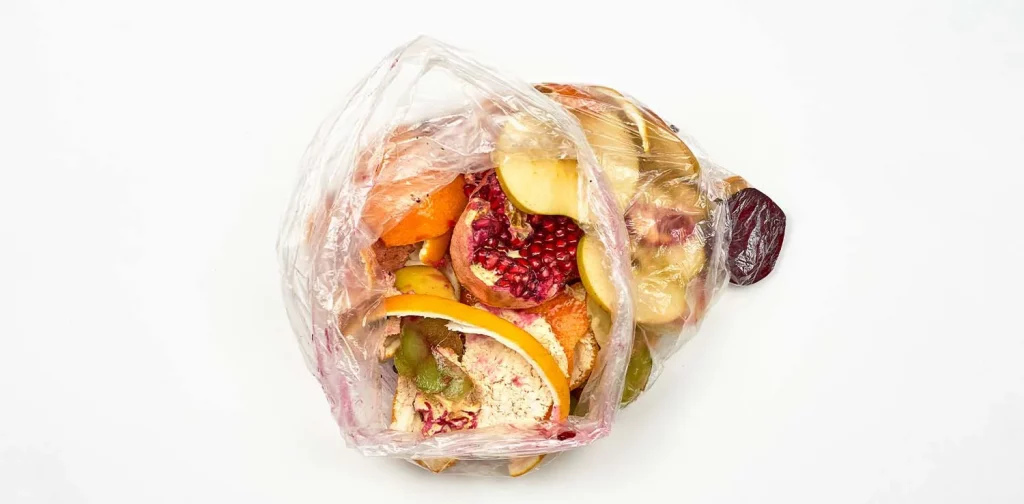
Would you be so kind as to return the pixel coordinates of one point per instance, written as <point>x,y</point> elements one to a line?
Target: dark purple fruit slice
<point>758,228</point>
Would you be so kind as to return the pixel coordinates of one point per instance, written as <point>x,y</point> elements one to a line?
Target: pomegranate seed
<point>535,250</point>
<point>547,259</point>
<point>549,238</point>
<point>548,225</point>
<point>490,261</point>
<point>550,247</point>
<point>560,256</point>
<point>545,273</point>
<point>560,244</point>
<point>560,233</point>
<point>535,263</point>
<point>571,250</point>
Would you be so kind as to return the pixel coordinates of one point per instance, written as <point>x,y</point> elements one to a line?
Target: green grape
<point>437,334</point>
<point>413,347</point>
<point>404,367</point>
<point>639,370</point>
<point>429,377</point>
<point>457,388</point>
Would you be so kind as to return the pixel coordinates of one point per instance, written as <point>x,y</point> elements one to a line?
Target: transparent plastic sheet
<point>428,114</point>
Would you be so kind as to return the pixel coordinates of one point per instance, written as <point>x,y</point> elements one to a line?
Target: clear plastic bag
<point>428,115</point>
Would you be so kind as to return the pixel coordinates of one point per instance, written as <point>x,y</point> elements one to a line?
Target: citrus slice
<point>488,324</point>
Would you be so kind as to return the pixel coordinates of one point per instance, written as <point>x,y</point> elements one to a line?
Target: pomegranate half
<point>506,258</point>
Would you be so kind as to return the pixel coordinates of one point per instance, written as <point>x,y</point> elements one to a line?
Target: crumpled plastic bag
<point>427,114</point>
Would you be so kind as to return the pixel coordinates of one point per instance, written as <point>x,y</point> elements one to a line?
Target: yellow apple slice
<point>540,186</point>
<point>616,150</point>
<point>666,152</point>
<point>522,465</point>
<point>590,260</point>
<point>436,465</point>
<point>685,260</point>
<point>659,299</point>
<point>659,292</point>
<point>636,117</point>
<point>425,280</point>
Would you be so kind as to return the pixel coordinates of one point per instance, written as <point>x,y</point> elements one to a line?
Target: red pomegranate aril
<point>535,263</point>
<point>560,256</point>
<point>547,259</point>
<point>490,260</point>
<point>545,273</point>
<point>548,225</point>
<point>535,249</point>
<point>560,244</point>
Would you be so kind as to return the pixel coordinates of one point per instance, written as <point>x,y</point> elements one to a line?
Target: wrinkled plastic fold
<point>428,114</point>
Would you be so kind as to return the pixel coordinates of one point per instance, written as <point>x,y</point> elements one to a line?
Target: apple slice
<point>590,259</point>
<point>659,298</point>
<point>685,260</point>
<point>423,280</point>
<point>540,186</point>
<point>666,152</point>
<point>616,150</point>
<point>611,129</point>
<point>632,112</point>
<point>659,290</point>
<point>522,465</point>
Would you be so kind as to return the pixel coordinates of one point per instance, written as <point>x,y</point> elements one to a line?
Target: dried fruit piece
<point>509,260</point>
<point>758,229</point>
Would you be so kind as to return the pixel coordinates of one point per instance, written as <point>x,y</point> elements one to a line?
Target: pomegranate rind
<point>461,252</point>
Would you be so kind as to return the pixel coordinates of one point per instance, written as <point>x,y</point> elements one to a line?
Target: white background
<point>147,150</point>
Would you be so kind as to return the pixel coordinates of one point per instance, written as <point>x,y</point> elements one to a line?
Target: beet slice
<point>758,229</point>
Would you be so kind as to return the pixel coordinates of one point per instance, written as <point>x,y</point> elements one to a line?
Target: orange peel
<point>488,324</point>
